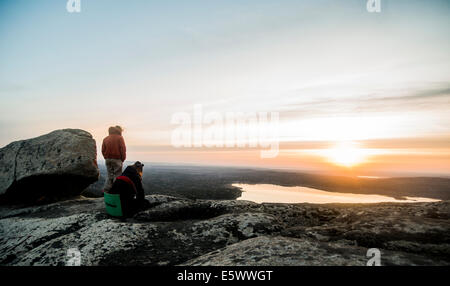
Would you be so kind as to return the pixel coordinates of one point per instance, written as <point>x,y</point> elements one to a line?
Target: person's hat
<point>138,164</point>
<point>120,128</point>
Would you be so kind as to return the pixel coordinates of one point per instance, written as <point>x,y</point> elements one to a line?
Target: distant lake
<point>260,193</point>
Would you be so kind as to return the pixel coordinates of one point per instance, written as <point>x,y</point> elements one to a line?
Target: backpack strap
<point>128,181</point>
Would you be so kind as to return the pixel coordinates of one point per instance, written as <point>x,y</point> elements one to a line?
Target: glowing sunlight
<point>346,154</point>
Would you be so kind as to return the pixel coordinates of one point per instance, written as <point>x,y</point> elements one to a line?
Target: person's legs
<point>139,205</point>
<point>114,170</point>
<point>109,176</point>
<point>117,166</point>
<point>134,206</point>
<point>127,200</point>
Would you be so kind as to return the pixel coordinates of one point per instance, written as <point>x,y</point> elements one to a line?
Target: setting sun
<point>346,154</point>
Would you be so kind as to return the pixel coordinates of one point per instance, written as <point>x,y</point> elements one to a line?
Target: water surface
<point>260,193</point>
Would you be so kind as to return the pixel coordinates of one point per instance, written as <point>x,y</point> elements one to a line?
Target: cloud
<point>436,99</point>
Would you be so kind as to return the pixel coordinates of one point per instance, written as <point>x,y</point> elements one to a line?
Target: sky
<point>356,92</point>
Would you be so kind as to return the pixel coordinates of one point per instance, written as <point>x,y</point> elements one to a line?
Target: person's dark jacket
<point>131,173</point>
<point>132,196</point>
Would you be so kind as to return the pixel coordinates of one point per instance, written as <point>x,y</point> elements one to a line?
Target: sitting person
<point>129,187</point>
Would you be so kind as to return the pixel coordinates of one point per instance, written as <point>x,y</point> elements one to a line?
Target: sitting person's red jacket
<point>113,147</point>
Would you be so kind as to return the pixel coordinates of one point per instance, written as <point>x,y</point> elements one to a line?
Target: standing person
<point>114,152</point>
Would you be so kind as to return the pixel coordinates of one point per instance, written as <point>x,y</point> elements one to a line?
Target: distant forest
<point>197,182</point>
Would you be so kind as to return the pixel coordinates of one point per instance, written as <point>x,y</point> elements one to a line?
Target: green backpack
<point>113,204</point>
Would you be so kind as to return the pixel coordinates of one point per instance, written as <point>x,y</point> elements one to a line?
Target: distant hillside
<point>215,182</point>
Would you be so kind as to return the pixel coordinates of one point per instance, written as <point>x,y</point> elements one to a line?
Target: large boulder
<point>59,164</point>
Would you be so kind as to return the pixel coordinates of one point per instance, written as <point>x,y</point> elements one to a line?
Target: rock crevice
<point>229,233</point>
<point>15,162</point>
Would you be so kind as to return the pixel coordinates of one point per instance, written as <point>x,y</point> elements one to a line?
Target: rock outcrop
<point>59,164</point>
<point>175,231</point>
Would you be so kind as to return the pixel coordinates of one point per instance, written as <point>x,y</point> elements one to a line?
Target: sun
<point>346,154</point>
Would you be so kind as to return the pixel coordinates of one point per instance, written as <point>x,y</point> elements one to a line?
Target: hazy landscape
<point>273,133</point>
<point>195,215</point>
<point>206,182</point>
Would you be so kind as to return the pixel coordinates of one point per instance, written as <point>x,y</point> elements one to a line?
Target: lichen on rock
<point>55,165</point>
<point>173,231</point>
